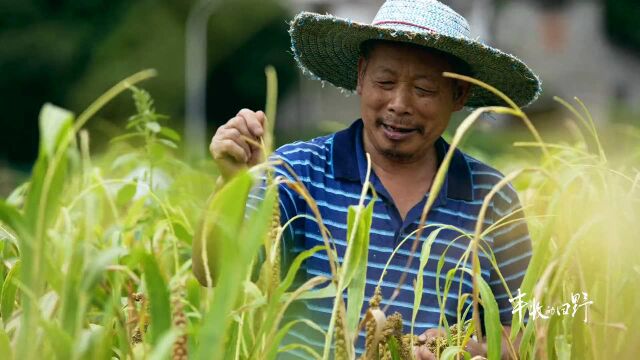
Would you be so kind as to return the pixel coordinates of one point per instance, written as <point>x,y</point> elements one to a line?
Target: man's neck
<point>407,182</point>
<point>418,170</point>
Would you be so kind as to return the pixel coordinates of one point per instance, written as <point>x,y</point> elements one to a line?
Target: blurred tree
<point>45,48</point>
<point>237,79</point>
<point>70,52</point>
<point>621,20</point>
<point>552,4</point>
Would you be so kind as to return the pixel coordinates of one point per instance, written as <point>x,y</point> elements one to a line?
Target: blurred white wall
<point>575,58</point>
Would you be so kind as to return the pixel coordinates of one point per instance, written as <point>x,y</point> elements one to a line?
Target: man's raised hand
<point>235,144</point>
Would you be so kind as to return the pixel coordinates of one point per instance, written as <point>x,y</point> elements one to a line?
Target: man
<point>395,65</point>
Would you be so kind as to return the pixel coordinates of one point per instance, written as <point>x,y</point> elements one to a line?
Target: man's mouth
<point>397,133</point>
<point>398,129</point>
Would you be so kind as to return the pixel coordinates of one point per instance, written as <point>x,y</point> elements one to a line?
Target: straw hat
<point>327,48</point>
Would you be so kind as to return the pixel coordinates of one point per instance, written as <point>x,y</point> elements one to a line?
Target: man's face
<point>405,102</point>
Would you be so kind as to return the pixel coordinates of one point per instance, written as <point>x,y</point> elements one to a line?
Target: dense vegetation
<point>97,252</point>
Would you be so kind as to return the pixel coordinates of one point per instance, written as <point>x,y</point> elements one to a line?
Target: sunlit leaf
<point>357,283</point>
<point>126,193</point>
<point>153,126</point>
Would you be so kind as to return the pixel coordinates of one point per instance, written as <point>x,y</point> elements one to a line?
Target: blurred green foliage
<point>622,22</point>
<point>68,52</point>
<point>45,48</point>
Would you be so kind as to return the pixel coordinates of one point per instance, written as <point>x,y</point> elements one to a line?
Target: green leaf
<point>9,292</point>
<point>491,317</point>
<point>53,123</point>
<point>418,289</point>
<point>55,126</point>
<point>221,222</point>
<point>181,232</point>
<point>394,348</point>
<point>354,238</point>
<point>10,216</point>
<point>126,193</point>
<point>328,291</point>
<point>235,259</point>
<point>528,338</point>
<point>125,137</point>
<point>285,329</point>
<point>451,353</point>
<point>360,244</point>
<point>313,354</point>
<point>170,133</point>
<point>160,307</point>
<point>168,143</point>
<point>295,265</point>
<point>17,196</point>
<point>153,126</point>
<point>193,289</point>
<point>48,180</point>
<point>124,159</point>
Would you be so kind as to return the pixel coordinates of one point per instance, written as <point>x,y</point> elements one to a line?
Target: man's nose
<point>400,102</point>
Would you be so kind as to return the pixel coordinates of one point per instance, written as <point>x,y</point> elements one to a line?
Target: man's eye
<point>424,91</point>
<point>385,83</point>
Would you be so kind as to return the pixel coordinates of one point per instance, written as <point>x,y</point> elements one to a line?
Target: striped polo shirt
<point>333,169</point>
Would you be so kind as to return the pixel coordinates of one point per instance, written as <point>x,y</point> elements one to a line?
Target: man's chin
<point>397,155</point>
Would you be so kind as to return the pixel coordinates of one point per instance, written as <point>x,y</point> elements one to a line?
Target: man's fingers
<point>431,333</point>
<point>254,121</point>
<point>240,124</point>
<point>423,353</point>
<point>239,138</point>
<point>237,141</point>
<point>229,148</point>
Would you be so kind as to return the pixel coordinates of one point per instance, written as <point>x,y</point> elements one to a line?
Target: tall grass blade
<point>235,259</point>
<point>270,107</point>
<point>42,202</point>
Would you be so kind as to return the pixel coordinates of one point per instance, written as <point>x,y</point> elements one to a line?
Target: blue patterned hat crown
<point>420,16</point>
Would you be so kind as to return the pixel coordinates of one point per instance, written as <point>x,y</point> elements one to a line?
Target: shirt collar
<point>348,153</point>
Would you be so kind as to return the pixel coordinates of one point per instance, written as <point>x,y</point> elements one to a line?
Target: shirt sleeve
<point>511,248</point>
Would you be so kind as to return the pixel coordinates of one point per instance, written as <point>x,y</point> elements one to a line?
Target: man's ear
<point>461,92</point>
<point>362,64</point>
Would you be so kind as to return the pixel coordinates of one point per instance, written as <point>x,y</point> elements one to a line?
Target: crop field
<point>100,252</point>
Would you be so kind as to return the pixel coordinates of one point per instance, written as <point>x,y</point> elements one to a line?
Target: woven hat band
<point>422,16</point>
<point>391,23</point>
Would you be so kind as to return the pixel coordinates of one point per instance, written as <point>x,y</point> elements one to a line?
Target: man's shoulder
<point>481,171</point>
<point>308,159</point>
<point>485,177</point>
<point>317,149</point>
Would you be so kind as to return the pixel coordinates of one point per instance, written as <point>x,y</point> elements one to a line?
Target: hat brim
<point>328,48</point>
